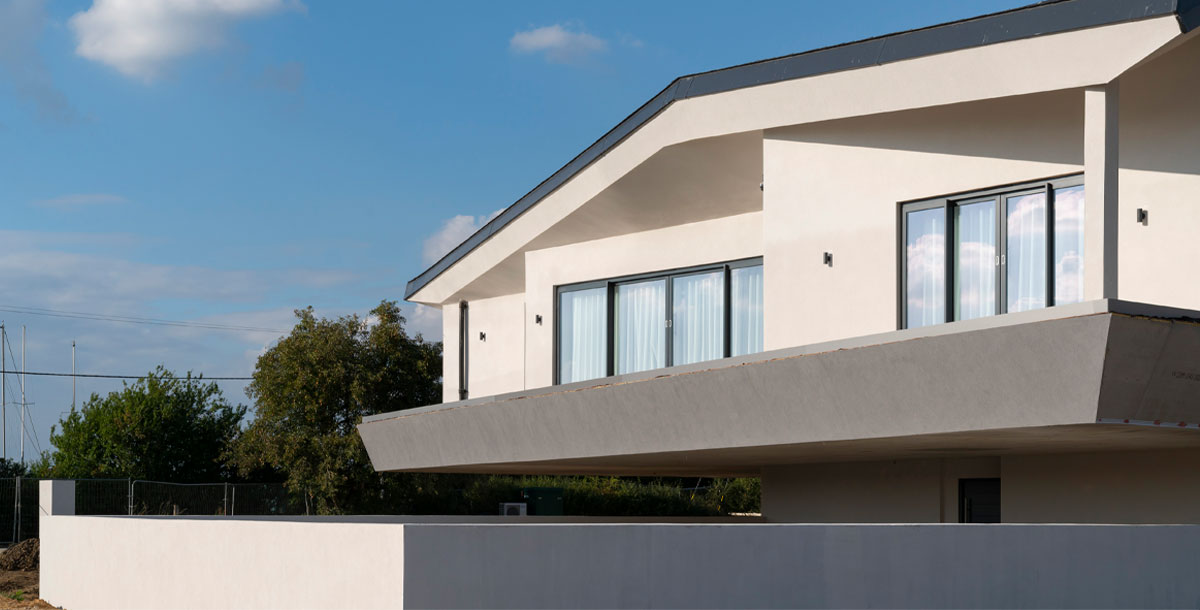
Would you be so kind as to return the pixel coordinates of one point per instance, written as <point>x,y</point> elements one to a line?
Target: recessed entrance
<point>979,500</point>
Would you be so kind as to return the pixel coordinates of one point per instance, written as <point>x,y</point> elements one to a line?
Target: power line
<point>98,376</point>
<point>77,315</point>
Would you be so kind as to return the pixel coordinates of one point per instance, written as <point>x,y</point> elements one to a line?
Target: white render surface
<point>93,563</point>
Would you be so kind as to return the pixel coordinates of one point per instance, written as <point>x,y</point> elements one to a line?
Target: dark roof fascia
<point>1051,17</point>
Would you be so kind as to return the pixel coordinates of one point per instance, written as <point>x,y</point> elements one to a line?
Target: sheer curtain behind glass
<point>746,315</point>
<point>698,317</point>
<point>641,328</point>
<point>1026,252</point>
<point>925,268</point>
<point>1068,245</point>
<point>582,342</point>
<point>975,260</point>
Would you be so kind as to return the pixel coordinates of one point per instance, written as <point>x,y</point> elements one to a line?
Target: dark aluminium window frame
<point>948,203</point>
<point>610,286</point>
<point>463,349</point>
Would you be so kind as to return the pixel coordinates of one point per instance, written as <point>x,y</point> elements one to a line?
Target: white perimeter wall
<point>139,562</point>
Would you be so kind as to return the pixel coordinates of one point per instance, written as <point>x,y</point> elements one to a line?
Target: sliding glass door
<point>1011,249</point>
<point>583,337</point>
<point>658,320</point>
<point>698,317</point>
<point>640,333</point>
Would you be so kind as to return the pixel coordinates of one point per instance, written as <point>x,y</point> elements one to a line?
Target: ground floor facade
<point>1082,487</point>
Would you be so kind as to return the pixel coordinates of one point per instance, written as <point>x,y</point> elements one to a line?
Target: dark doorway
<point>979,500</point>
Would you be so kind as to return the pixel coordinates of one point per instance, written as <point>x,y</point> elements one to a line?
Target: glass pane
<point>925,268</point>
<point>1026,252</point>
<point>975,260</point>
<point>582,345</point>
<point>746,317</point>
<point>1068,245</point>
<point>641,326</point>
<point>698,317</point>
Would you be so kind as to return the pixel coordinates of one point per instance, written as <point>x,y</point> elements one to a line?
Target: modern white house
<point>946,275</point>
<point>939,289</point>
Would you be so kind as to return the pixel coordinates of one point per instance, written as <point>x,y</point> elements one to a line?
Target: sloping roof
<point>1050,17</point>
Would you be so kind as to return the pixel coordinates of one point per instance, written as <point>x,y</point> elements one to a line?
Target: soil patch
<point>21,556</point>
<point>23,584</point>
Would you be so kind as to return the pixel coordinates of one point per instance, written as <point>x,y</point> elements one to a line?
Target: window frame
<point>948,203</point>
<point>668,276</point>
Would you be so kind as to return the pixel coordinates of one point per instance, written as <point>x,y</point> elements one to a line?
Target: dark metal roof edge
<point>1050,17</point>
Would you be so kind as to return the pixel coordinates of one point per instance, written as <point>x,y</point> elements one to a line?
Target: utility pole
<point>22,394</point>
<point>72,374</point>
<point>3,391</point>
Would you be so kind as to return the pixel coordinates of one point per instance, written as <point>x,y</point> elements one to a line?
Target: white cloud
<point>79,200</point>
<point>22,66</point>
<point>557,43</point>
<point>452,233</point>
<point>140,38</point>
<point>425,321</point>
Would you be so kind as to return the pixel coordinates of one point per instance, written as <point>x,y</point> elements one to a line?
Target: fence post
<point>232,500</point>
<point>130,480</point>
<point>225,506</point>
<point>16,509</point>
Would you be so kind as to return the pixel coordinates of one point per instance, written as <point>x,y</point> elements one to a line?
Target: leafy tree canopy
<point>161,428</point>
<point>313,388</point>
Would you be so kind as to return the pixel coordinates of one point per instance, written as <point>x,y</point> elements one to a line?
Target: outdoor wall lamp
<point>1143,216</point>
<point>828,260</point>
<point>482,336</point>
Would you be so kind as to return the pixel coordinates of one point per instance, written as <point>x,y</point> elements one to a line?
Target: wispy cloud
<point>558,43</point>
<point>22,66</point>
<point>80,200</point>
<point>452,233</point>
<point>140,38</point>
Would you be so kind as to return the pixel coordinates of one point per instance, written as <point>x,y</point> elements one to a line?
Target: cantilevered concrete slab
<point>1104,374</point>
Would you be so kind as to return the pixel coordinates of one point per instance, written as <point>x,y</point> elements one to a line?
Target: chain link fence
<point>19,501</point>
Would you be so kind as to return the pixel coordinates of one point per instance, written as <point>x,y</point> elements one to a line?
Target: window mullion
<point>1001,254</point>
<point>1050,271</point>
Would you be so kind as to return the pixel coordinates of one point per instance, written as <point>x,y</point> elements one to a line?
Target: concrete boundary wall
<point>134,562</point>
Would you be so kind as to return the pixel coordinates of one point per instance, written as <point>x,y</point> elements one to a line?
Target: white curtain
<point>641,337</point>
<point>925,268</point>
<point>1068,245</point>
<point>698,318</point>
<point>1026,275</point>
<point>746,317</point>
<point>582,342</point>
<point>975,260</point>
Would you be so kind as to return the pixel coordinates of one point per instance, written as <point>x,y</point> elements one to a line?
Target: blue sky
<point>228,161</point>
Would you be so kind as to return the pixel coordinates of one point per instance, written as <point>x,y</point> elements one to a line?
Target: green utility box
<point>543,500</point>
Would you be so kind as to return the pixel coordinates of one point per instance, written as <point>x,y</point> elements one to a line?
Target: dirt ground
<point>24,582</point>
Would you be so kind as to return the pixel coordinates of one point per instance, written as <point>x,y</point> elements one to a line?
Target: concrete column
<point>1101,156</point>
<point>56,497</point>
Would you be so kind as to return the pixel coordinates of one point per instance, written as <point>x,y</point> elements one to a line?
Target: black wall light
<point>538,318</point>
<point>483,336</point>
<point>828,259</point>
<point>1143,216</point>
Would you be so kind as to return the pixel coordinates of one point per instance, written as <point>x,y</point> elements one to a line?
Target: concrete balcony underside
<point>1104,375</point>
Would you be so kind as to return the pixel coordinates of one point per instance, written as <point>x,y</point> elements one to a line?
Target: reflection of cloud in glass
<point>925,262</point>
<point>1026,252</point>
<point>1068,245</point>
<point>975,260</point>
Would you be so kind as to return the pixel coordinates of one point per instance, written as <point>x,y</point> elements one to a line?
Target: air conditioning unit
<point>512,509</point>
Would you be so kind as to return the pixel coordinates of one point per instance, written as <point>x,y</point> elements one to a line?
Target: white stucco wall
<point>1160,172</point>
<point>835,187</point>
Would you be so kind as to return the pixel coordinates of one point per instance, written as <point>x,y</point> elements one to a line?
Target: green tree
<point>161,428</point>
<point>313,388</point>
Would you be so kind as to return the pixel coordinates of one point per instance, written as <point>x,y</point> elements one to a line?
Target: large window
<point>979,254</point>
<point>626,325</point>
